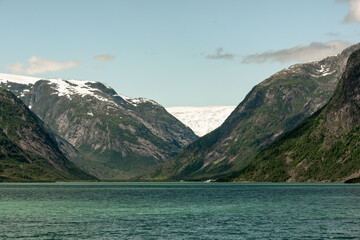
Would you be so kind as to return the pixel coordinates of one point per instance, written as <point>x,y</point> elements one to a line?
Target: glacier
<point>203,119</point>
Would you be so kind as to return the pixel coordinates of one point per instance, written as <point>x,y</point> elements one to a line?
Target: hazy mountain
<point>120,136</point>
<point>273,107</point>
<point>27,151</point>
<point>324,147</point>
<point>201,120</point>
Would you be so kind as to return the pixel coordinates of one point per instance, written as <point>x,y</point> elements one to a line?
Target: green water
<point>179,211</point>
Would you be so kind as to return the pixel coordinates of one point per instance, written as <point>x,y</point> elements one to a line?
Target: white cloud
<point>220,55</point>
<point>104,57</point>
<point>313,51</point>
<point>354,11</point>
<point>41,65</point>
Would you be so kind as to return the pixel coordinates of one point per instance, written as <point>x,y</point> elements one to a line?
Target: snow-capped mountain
<point>201,120</point>
<point>69,87</point>
<point>121,137</point>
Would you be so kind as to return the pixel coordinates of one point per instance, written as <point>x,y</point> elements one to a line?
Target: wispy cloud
<point>104,57</point>
<point>332,34</point>
<point>220,55</point>
<point>300,53</point>
<point>354,11</point>
<point>41,65</point>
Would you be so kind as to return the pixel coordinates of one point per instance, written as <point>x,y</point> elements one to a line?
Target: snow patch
<point>201,120</point>
<point>107,86</point>
<point>136,101</point>
<point>79,87</point>
<point>324,71</point>
<point>123,97</point>
<point>71,87</point>
<point>25,80</point>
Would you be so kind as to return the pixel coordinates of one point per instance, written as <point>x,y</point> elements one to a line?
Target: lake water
<point>179,211</point>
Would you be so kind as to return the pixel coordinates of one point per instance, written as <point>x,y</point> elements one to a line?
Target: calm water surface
<point>179,211</point>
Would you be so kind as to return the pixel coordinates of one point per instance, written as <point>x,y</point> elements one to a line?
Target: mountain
<point>119,137</point>
<point>27,151</point>
<point>272,108</point>
<point>325,147</point>
<point>201,120</point>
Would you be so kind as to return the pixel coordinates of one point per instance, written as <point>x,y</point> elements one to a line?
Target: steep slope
<point>323,148</point>
<point>201,120</point>
<point>120,136</point>
<point>27,150</point>
<point>272,107</point>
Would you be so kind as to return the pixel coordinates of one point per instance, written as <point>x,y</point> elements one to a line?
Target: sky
<point>178,53</point>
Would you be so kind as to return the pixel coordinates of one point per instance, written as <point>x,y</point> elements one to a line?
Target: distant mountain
<point>272,108</point>
<point>120,137</point>
<point>324,147</point>
<point>27,151</point>
<point>201,120</point>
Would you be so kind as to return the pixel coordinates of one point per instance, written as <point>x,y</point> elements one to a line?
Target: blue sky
<point>179,53</point>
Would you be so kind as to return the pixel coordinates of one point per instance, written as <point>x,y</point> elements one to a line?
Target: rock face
<point>27,151</point>
<point>271,108</point>
<point>324,147</point>
<point>201,120</point>
<point>120,137</point>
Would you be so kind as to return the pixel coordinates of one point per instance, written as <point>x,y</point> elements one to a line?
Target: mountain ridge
<point>271,108</point>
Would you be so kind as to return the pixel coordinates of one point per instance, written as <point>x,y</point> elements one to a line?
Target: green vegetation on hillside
<point>325,147</point>
<point>27,150</point>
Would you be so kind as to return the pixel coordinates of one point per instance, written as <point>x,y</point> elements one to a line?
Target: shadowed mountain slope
<point>27,151</point>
